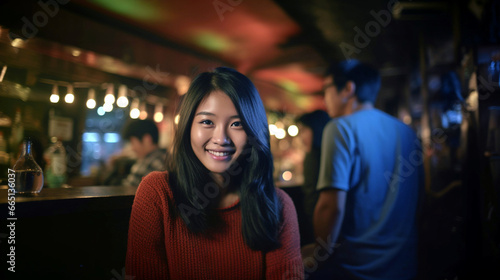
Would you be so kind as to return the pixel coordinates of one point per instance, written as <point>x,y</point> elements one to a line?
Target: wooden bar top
<point>66,200</point>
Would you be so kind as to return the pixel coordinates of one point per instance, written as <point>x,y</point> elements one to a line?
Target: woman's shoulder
<point>155,182</point>
<point>284,198</point>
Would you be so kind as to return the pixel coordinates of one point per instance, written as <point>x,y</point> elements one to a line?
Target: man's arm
<point>328,217</point>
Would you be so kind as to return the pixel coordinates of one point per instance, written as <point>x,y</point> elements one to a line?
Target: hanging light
<point>287,175</point>
<point>54,97</point>
<point>272,129</point>
<point>122,100</point>
<point>144,113</point>
<point>158,116</point>
<point>293,130</point>
<point>110,94</point>
<point>100,111</point>
<point>108,107</point>
<point>280,133</point>
<point>91,99</point>
<point>134,109</point>
<point>69,97</point>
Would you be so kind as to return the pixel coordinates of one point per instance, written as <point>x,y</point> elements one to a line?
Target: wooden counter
<point>69,200</point>
<point>67,233</point>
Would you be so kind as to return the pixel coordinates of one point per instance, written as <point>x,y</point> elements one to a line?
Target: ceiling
<point>283,46</point>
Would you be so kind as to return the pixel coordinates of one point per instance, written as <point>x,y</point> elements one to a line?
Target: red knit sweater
<point>161,247</point>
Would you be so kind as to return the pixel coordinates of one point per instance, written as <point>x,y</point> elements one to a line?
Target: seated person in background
<point>311,127</point>
<point>143,137</point>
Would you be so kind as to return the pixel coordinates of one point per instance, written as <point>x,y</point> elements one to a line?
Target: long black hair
<point>191,183</point>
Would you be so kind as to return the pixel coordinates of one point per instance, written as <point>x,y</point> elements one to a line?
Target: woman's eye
<point>237,124</point>
<point>207,122</point>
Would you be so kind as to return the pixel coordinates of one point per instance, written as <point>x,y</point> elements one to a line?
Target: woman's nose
<point>220,136</point>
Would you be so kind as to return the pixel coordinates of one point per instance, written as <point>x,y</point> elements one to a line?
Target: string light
<point>122,100</point>
<point>134,109</point>
<point>108,107</point>
<point>293,130</point>
<point>272,129</point>
<point>144,113</point>
<point>100,111</point>
<point>280,133</point>
<point>110,95</point>
<point>54,97</point>
<point>69,97</point>
<point>287,175</point>
<point>158,116</point>
<point>91,99</point>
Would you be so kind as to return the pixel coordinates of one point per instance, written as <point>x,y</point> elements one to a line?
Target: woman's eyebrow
<point>204,113</point>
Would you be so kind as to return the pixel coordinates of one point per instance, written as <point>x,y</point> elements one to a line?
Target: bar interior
<point>74,73</point>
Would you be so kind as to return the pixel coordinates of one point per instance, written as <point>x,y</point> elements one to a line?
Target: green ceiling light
<point>211,41</point>
<point>291,87</point>
<point>304,102</point>
<point>136,9</point>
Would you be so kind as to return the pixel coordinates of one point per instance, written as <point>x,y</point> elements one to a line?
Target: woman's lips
<point>220,155</point>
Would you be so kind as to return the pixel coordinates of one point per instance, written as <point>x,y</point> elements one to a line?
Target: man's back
<point>377,160</point>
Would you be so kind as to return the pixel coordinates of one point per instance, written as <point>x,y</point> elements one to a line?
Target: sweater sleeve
<point>286,261</point>
<point>146,256</point>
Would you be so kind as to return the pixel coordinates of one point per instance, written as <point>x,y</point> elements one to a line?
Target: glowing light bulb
<point>91,103</point>
<point>100,111</point>
<point>54,97</point>
<point>272,129</point>
<point>122,100</point>
<point>69,98</point>
<point>280,133</point>
<point>293,130</point>
<point>91,99</point>
<point>287,175</point>
<point>144,113</point>
<point>108,107</point>
<point>158,116</point>
<point>134,113</point>
<point>110,96</point>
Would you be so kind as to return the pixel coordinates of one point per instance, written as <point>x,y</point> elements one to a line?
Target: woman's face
<point>217,134</point>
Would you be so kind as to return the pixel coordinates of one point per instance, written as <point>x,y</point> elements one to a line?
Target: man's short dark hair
<point>139,128</point>
<point>366,78</point>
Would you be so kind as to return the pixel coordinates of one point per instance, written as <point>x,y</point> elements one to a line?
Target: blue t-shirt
<point>378,161</point>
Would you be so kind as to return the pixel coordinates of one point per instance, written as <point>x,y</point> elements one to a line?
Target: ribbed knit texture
<point>161,247</point>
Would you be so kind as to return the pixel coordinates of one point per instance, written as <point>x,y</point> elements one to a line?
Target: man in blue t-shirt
<point>370,182</point>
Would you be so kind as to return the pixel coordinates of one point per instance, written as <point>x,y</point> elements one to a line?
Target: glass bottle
<point>17,131</point>
<point>29,175</point>
<point>56,170</point>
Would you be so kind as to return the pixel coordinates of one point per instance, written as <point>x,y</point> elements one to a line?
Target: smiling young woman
<point>215,213</point>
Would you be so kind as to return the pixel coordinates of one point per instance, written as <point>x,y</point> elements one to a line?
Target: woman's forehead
<point>217,103</point>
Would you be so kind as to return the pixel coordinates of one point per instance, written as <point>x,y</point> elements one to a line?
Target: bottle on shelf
<point>17,131</point>
<point>28,174</point>
<point>56,164</point>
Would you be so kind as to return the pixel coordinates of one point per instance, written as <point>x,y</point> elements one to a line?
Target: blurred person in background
<point>311,127</point>
<point>370,183</point>
<point>143,138</point>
